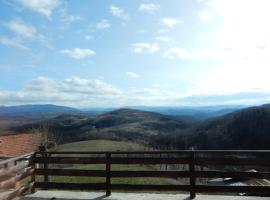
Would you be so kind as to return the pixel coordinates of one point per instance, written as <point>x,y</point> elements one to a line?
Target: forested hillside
<point>244,129</point>
<point>122,124</point>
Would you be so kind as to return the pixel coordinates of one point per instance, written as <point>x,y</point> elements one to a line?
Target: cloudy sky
<point>111,53</point>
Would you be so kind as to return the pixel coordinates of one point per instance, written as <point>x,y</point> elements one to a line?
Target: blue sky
<point>134,52</point>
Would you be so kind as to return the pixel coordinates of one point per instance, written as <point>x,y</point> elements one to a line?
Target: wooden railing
<point>12,172</point>
<point>213,163</point>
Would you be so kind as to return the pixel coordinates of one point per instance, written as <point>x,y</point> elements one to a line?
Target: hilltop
<point>244,129</point>
<point>121,124</point>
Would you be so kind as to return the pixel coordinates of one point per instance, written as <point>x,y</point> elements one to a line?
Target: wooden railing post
<point>18,183</point>
<point>33,176</point>
<point>192,178</point>
<point>42,149</point>
<point>108,174</point>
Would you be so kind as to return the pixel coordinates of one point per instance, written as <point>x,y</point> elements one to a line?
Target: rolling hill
<point>121,124</point>
<point>192,113</point>
<point>33,112</point>
<point>12,116</point>
<point>248,128</point>
<point>244,129</point>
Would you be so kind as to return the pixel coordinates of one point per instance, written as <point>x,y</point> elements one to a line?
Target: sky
<point>114,53</point>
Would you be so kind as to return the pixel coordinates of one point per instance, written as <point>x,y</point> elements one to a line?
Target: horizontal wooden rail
<point>149,160</point>
<point>18,192</point>
<point>71,186</point>
<point>19,158</point>
<point>12,171</point>
<point>169,174</point>
<point>191,162</point>
<point>12,181</point>
<point>123,160</point>
<point>161,152</point>
<point>115,174</point>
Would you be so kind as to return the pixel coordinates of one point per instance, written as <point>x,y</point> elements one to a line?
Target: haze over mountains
<point>12,116</point>
<point>225,127</point>
<point>46,111</point>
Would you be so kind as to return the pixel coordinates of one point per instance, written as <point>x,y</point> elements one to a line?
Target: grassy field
<point>107,145</point>
<point>102,145</point>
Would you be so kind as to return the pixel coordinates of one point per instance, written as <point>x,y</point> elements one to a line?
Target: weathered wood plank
<point>71,172</point>
<point>12,170</point>
<point>123,160</point>
<point>71,186</point>
<point>18,192</point>
<point>108,174</point>
<point>115,173</point>
<point>23,157</point>
<point>162,152</point>
<point>12,181</point>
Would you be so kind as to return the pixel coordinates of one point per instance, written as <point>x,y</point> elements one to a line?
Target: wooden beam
<point>71,186</point>
<point>12,181</point>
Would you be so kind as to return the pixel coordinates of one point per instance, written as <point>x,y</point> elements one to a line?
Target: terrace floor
<point>68,195</point>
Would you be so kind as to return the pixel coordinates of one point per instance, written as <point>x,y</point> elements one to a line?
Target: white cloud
<point>12,42</point>
<point>118,12</point>
<point>73,91</point>
<point>88,37</point>
<point>163,39</point>
<point>145,47</point>
<point>21,28</point>
<point>44,7</point>
<point>78,53</point>
<point>242,23</point>
<point>170,22</point>
<point>206,15</point>
<point>24,31</point>
<point>149,8</point>
<point>103,24</point>
<point>177,52</point>
<point>80,92</point>
<point>67,19</point>
<point>219,54</point>
<point>132,75</point>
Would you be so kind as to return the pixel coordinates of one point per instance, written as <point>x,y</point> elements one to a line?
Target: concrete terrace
<point>68,195</point>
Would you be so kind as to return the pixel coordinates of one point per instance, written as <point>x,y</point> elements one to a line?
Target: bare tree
<point>48,137</point>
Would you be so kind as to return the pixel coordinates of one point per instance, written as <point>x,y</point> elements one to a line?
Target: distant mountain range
<point>36,111</point>
<point>121,124</point>
<point>46,111</point>
<point>12,116</point>
<point>247,128</point>
<point>192,113</point>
